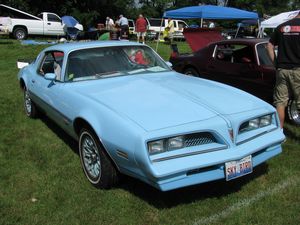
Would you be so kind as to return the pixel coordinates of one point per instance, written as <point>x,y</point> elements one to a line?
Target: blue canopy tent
<point>210,12</point>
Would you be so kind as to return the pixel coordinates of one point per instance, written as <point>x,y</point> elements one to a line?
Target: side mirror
<point>50,76</point>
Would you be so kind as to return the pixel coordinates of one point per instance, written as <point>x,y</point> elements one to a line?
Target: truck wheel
<point>20,33</point>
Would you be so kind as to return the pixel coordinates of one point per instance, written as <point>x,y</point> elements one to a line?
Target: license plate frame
<point>238,168</point>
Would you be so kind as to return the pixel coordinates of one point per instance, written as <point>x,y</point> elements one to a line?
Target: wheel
<point>29,106</point>
<point>95,162</point>
<point>293,112</point>
<point>20,33</point>
<point>191,72</point>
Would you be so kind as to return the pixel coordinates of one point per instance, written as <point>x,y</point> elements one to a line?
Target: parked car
<point>157,25</point>
<point>131,24</point>
<point>132,114</point>
<point>242,63</point>
<point>24,24</point>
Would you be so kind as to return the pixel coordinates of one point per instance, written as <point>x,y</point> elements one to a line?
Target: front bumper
<point>181,172</point>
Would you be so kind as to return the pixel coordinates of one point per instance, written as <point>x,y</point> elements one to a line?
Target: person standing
<point>287,38</point>
<point>123,23</point>
<point>170,28</point>
<point>109,23</point>
<point>141,28</point>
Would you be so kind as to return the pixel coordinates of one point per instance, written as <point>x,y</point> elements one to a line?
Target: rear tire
<point>29,106</point>
<point>191,72</point>
<point>293,112</point>
<point>96,164</point>
<point>20,33</point>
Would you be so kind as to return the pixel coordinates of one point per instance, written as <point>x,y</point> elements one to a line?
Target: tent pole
<point>258,30</point>
<point>162,19</point>
<point>237,31</point>
<point>201,22</point>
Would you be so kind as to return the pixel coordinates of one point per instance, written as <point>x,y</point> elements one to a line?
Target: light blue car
<point>132,114</point>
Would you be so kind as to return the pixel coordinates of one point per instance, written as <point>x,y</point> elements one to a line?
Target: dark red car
<point>243,63</point>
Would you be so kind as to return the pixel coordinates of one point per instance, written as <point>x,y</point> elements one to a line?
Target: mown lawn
<point>41,180</point>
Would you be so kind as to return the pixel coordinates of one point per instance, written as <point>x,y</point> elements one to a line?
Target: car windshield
<point>104,62</point>
<point>264,58</point>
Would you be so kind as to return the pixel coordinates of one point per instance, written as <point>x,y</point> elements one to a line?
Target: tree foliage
<point>91,12</point>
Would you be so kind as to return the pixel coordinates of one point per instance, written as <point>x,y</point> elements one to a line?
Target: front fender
<point>117,134</point>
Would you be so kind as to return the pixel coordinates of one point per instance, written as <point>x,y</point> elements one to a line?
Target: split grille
<point>199,139</point>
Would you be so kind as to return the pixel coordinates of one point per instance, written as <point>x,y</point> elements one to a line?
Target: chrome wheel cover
<point>20,35</point>
<point>90,156</point>
<point>294,113</point>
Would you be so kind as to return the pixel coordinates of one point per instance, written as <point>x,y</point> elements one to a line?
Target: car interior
<point>52,64</point>
<point>235,53</point>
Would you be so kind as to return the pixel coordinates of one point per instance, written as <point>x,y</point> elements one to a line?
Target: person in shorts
<point>141,28</point>
<point>287,38</point>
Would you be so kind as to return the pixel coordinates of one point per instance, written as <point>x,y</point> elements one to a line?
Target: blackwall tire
<point>20,33</point>
<point>191,72</point>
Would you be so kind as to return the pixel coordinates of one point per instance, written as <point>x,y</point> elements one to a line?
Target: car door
<point>236,65</point>
<point>53,25</point>
<point>49,94</point>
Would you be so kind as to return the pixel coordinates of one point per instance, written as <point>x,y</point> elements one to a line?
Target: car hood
<point>157,101</point>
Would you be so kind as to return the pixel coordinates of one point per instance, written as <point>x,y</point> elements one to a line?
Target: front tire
<point>191,72</point>
<point>293,112</point>
<point>29,106</point>
<point>95,162</point>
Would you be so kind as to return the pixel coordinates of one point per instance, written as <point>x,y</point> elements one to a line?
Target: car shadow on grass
<point>60,133</point>
<point>289,131</point>
<point>169,199</point>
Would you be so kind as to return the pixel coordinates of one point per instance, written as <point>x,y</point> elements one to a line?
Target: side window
<point>52,63</point>
<point>264,58</point>
<point>155,22</point>
<point>53,18</point>
<point>181,25</point>
<point>243,54</point>
<point>224,53</point>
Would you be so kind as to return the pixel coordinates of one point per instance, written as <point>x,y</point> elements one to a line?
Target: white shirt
<point>123,21</point>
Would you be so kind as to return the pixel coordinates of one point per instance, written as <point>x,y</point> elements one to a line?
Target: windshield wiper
<point>108,74</point>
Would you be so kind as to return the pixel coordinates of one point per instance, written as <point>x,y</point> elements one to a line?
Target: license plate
<point>238,168</point>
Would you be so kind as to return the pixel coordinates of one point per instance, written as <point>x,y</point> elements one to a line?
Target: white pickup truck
<point>24,24</point>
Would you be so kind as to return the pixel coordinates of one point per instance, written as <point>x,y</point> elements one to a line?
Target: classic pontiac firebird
<point>132,114</point>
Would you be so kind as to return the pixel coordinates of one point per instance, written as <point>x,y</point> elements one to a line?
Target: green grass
<point>41,180</point>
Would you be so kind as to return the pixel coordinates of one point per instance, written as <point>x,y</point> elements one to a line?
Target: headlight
<point>265,120</point>
<point>166,144</point>
<point>256,123</point>
<point>175,143</point>
<point>253,124</point>
<point>156,147</point>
